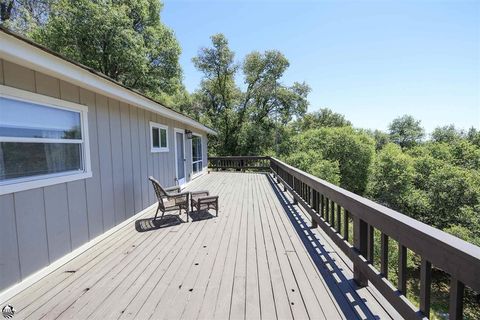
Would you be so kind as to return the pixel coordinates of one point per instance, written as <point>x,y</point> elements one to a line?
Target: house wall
<point>39,226</point>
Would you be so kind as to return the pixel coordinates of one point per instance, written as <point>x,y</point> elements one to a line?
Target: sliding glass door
<point>197,160</point>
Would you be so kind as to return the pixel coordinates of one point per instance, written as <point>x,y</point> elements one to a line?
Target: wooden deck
<point>258,259</point>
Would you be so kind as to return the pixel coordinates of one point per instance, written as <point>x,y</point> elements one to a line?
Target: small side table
<point>201,200</point>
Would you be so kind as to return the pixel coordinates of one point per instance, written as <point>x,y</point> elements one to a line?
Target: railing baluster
<point>345,224</point>
<point>455,309</point>
<point>371,243</point>
<point>327,210</point>
<point>425,283</point>
<point>339,220</point>
<point>360,230</point>
<point>402,269</point>
<point>384,255</point>
<point>313,205</point>
<point>332,215</point>
<point>322,206</point>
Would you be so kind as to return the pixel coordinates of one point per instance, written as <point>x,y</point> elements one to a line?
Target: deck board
<point>257,260</point>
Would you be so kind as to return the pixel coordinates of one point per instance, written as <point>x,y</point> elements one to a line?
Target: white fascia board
<point>25,54</point>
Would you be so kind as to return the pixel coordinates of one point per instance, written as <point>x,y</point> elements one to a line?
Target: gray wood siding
<point>41,225</point>
<point>10,265</point>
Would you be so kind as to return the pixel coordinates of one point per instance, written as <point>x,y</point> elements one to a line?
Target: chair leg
<point>156,213</point>
<point>163,212</point>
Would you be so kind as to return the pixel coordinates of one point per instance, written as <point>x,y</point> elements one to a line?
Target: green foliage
<point>352,150</point>
<point>24,16</point>
<point>322,118</point>
<point>452,190</point>
<point>446,134</point>
<point>427,185</point>
<point>406,131</point>
<point>313,163</point>
<point>123,39</point>
<point>248,121</point>
<point>392,176</point>
<point>473,136</point>
<point>463,233</point>
<point>381,139</point>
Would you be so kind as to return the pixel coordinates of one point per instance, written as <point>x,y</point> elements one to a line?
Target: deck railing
<point>336,210</point>
<point>240,163</point>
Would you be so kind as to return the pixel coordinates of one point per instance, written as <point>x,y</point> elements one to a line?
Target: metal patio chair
<point>169,200</point>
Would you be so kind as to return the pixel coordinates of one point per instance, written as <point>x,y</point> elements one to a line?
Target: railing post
<point>402,269</point>
<point>425,283</point>
<point>455,309</point>
<point>360,235</point>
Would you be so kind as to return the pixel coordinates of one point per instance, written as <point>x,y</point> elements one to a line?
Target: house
<point>77,238</point>
<point>76,149</point>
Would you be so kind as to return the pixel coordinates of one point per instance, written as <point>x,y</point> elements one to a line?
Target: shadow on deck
<point>344,289</point>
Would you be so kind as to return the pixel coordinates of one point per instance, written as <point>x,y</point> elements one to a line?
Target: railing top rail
<point>239,158</point>
<point>449,253</point>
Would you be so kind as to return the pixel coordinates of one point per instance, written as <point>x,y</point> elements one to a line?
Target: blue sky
<point>369,60</point>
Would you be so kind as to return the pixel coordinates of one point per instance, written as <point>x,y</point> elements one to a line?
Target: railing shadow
<point>200,215</point>
<point>150,224</point>
<point>342,289</point>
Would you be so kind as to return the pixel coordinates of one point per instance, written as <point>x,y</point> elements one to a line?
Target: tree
<point>455,197</point>
<point>124,39</point>
<point>447,134</point>
<point>406,131</point>
<point>218,92</point>
<point>473,135</point>
<point>352,150</point>
<point>313,163</point>
<point>381,139</point>
<point>24,16</point>
<point>248,121</point>
<point>392,177</point>
<point>324,117</point>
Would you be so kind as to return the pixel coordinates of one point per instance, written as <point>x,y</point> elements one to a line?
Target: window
<point>197,160</point>
<point>41,139</point>
<point>158,137</point>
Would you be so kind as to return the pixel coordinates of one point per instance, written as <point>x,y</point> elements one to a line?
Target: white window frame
<point>201,161</point>
<point>159,127</point>
<point>32,182</point>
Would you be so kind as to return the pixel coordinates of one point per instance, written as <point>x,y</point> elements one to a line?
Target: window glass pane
<point>196,148</point>
<point>163,138</point>
<point>30,120</point>
<point>155,138</point>
<point>31,159</point>
<point>197,167</point>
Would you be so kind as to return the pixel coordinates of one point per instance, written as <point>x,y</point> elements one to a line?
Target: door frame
<point>182,131</point>
<point>194,175</point>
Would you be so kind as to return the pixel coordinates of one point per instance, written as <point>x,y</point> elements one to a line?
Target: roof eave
<point>22,51</point>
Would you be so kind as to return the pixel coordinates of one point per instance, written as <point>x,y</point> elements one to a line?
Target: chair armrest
<point>207,199</point>
<point>174,188</point>
<point>178,195</point>
<point>182,197</point>
<point>196,193</point>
